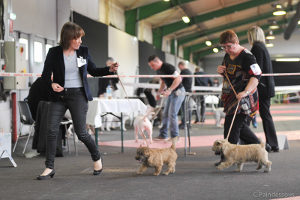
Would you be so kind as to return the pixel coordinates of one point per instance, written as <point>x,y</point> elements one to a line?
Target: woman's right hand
<point>221,69</point>
<point>56,87</point>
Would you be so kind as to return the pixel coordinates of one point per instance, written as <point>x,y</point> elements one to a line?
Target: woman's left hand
<point>114,67</point>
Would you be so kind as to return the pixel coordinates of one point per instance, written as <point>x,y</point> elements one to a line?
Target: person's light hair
<point>256,34</point>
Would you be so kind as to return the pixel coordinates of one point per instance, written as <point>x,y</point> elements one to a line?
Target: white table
<point>98,107</point>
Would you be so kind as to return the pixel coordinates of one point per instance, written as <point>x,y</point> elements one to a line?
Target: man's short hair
<point>110,59</point>
<point>181,63</point>
<point>151,58</point>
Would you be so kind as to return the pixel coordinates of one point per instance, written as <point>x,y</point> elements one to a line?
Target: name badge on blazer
<point>81,61</point>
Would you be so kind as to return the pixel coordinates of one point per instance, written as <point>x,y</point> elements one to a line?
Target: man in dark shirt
<point>187,84</point>
<point>173,91</point>
<point>103,83</point>
<point>201,81</point>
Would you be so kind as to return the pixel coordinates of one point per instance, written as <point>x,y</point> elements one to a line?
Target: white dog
<point>142,124</point>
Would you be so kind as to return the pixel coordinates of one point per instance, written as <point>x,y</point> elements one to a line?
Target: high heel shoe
<point>48,176</point>
<point>98,172</point>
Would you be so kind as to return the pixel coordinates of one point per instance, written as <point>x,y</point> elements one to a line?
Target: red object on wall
<point>11,26</point>
<point>14,116</point>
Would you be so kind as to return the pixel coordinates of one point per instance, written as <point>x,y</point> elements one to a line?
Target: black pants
<point>73,99</point>
<point>240,129</point>
<point>182,112</point>
<point>267,120</point>
<point>200,112</point>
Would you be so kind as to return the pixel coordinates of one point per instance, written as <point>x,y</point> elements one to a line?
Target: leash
<point>126,96</point>
<point>236,106</point>
<point>160,107</point>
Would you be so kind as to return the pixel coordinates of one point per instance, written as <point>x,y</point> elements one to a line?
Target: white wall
<point>284,47</point>
<point>89,8</point>
<point>145,32</point>
<point>171,59</point>
<point>124,49</point>
<point>35,17</point>
<point>117,17</point>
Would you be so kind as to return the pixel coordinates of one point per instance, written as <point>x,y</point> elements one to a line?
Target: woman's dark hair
<point>229,36</point>
<point>69,32</point>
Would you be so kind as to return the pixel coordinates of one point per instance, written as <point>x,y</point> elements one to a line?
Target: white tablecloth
<point>116,106</point>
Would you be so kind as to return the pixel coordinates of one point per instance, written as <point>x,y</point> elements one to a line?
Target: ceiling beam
<point>134,15</point>
<point>215,41</point>
<point>235,24</point>
<point>160,32</point>
<point>171,28</point>
<point>209,51</point>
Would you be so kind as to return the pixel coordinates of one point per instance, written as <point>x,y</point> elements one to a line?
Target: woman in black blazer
<point>69,63</point>
<point>256,38</point>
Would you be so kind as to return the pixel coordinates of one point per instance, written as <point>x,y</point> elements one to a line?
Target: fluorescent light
<point>166,0</point>
<point>299,22</point>
<point>216,50</point>
<point>287,59</point>
<point>186,19</point>
<point>279,12</point>
<point>273,26</point>
<point>270,37</point>
<point>208,43</point>
<point>269,45</point>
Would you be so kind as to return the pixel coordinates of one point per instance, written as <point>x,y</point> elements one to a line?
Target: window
<point>25,42</point>
<point>48,46</point>
<point>38,52</point>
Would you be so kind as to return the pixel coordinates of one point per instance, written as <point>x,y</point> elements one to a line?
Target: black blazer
<point>266,84</point>
<point>54,63</point>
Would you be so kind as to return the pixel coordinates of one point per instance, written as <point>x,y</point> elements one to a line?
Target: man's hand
<point>56,87</point>
<point>221,69</point>
<point>166,92</point>
<point>114,67</point>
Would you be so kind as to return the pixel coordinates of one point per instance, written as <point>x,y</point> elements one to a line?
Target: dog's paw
<point>220,167</point>
<point>139,173</point>
<point>166,173</point>
<point>155,174</point>
<point>267,170</point>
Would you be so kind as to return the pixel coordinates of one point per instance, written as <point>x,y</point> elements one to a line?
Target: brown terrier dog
<point>239,154</point>
<point>157,158</point>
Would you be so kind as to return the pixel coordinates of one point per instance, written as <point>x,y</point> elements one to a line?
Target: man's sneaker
<point>160,138</point>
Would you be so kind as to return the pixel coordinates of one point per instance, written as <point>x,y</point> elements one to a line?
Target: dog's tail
<point>148,114</point>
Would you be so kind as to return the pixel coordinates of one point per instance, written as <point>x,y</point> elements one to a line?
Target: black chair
<point>26,119</point>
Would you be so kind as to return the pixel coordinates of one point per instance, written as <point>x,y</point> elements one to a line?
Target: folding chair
<point>66,123</point>
<point>26,119</point>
